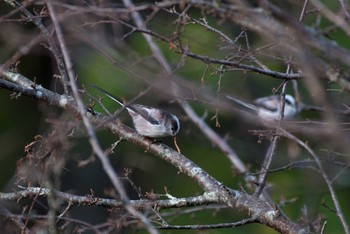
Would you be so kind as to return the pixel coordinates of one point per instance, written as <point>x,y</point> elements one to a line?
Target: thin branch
<point>212,135</point>
<point>17,221</point>
<point>117,10</point>
<point>91,133</point>
<point>210,226</point>
<point>309,164</point>
<point>344,7</point>
<point>302,14</point>
<point>208,60</point>
<point>47,35</point>
<point>36,217</point>
<point>155,49</point>
<point>216,190</point>
<point>266,167</point>
<point>327,180</point>
<point>23,50</point>
<point>215,138</point>
<point>272,148</point>
<point>89,200</point>
<point>275,74</point>
<point>333,17</point>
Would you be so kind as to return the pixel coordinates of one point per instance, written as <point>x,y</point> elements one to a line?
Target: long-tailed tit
<point>149,121</point>
<point>268,108</point>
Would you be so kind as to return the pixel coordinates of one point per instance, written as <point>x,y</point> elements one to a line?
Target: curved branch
<point>88,126</point>
<point>253,206</point>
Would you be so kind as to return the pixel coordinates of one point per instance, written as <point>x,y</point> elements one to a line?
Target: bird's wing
<point>271,103</point>
<point>144,111</point>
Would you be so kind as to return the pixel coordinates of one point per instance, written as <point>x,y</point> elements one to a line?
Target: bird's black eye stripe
<point>288,101</point>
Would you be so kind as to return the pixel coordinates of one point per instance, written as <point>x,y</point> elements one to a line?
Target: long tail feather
<point>108,94</point>
<point>248,105</point>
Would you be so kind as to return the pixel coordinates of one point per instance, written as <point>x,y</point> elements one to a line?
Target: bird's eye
<point>174,126</point>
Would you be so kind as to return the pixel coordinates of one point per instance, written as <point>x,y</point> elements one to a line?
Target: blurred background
<point>108,52</point>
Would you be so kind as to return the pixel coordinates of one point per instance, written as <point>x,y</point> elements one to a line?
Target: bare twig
<point>92,135</point>
<point>214,189</point>
<point>275,74</point>
<point>326,178</point>
<point>88,200</point>
<point>6,213</point>
<point>311,52</point>
<point>272,148</point>
<point>210,226</point>
<point>47,35</point>
<point>215,138</point>
<point>336,18</point>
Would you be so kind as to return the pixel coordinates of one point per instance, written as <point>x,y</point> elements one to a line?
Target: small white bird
<point>268,108</point>
<point>149,121</point>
